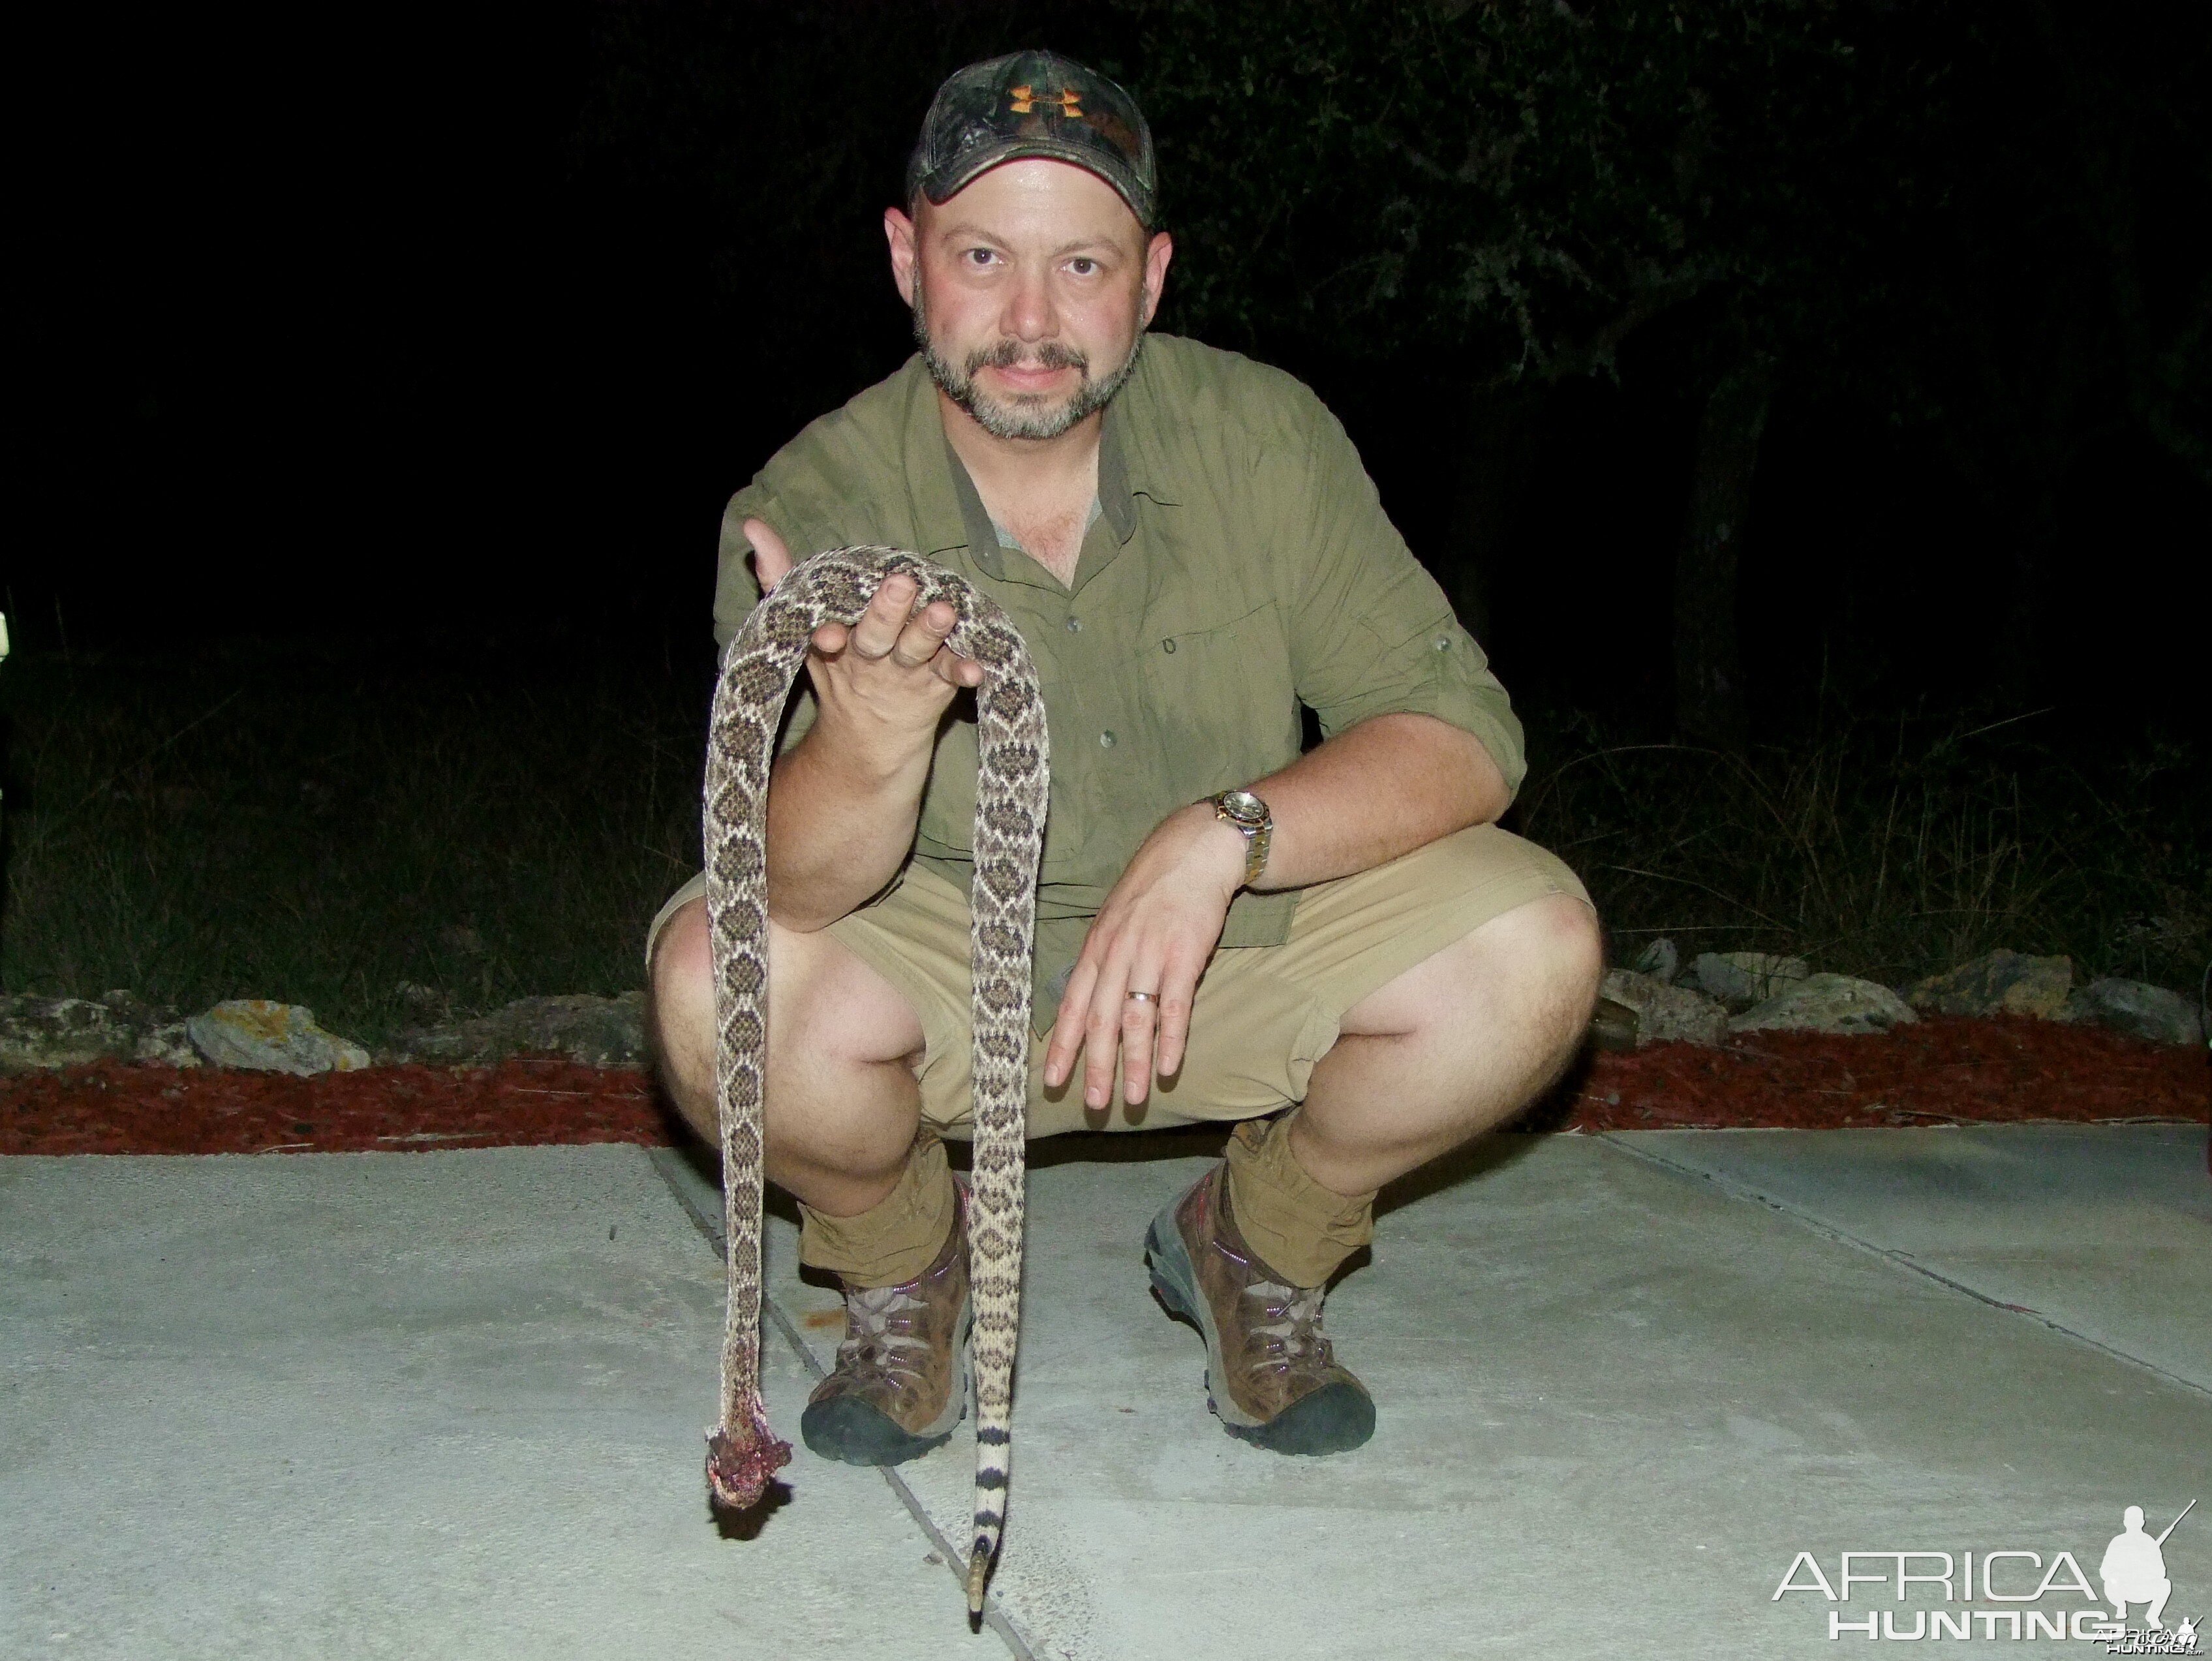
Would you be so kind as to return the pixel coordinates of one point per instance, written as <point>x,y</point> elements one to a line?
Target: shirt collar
<point>975,528</point>
<point>939,492</point>
<point>1114,498</point>
<point>948,514</point>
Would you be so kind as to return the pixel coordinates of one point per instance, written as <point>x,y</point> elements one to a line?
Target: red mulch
<point>112,1108</point>
<point>1940,1071</point>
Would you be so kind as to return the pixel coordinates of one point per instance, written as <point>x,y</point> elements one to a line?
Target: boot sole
<point>1334,1419</point>
<point>856,1433</point>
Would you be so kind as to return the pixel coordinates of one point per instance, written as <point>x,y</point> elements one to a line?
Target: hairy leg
<point>842,1102</point>
<point>1451,1047</point>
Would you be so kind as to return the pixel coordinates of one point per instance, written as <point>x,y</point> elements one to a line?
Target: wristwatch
<point>1248,814</point>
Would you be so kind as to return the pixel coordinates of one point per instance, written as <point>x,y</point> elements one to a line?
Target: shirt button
<point>1075,625</point>
<point>1443,643</point>
<point>1105,741</point>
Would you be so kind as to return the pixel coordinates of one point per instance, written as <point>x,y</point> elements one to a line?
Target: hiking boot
<point>901,1381</point>
<point>1270,1377</point>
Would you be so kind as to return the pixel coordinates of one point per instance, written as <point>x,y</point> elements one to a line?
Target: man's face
<point>1030,288</point>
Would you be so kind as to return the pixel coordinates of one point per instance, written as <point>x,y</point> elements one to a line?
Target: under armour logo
<point>1023,101</point>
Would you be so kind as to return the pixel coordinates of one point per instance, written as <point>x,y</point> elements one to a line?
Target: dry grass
<point>1892,850</point>
<point>330,829</point>
<point>333,827</point>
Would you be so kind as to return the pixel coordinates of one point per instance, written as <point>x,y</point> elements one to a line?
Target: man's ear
<point>899,232</point>
<point>1157,254</point>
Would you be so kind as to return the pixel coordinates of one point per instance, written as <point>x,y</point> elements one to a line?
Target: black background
<point>358,322</point>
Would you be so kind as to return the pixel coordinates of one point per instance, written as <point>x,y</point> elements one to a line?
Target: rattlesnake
<point>1012,784</point>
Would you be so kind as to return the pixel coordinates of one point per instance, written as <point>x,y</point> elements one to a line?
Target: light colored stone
<point>1660,960</point>
<point>158,1030</point>
<point>71,1032</point>
<point>1666,1014</point>
<point>266,1037</point>
<point>60,1032</point>
<point>1741,980</point>
<point>598,1032</point>
<point>2139,1010</point>
<point>1998,983</point>
<point>169,1045</point>
<point>1828,1003</point>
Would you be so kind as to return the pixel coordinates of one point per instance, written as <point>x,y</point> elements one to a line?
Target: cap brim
<point>943,187</point>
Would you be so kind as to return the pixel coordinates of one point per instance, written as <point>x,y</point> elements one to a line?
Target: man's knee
<point>1538,963</point>
<point>822,1001</point>
<point>1554,949</point>
<point>1555,941</point>
<point>680,986</point>
<point>827,1007</point>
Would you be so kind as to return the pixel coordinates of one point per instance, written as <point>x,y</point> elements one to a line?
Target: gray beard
<point>1024,417</point>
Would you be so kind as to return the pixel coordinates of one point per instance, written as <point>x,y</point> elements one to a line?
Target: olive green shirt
<point>1238,565</point>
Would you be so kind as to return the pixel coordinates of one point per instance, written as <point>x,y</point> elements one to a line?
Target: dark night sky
<point>329,332</point>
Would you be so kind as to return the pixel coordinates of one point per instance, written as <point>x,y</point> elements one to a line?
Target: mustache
<point>1013,355</point>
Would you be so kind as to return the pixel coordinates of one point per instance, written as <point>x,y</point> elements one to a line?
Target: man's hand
<point>883,682</point>
<point>1155,934</point>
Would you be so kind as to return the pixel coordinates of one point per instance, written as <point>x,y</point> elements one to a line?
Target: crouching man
<point>1339,952</point>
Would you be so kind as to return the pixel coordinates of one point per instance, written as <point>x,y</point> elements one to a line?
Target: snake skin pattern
<point>1012,788</point>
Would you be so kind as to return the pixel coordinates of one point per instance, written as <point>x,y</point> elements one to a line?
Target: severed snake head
<point>738,1473</point>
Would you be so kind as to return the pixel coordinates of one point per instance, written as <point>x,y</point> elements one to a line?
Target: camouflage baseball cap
<point>1035,104</point>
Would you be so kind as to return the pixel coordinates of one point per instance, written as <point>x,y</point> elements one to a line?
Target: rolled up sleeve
<point>1371,633</point>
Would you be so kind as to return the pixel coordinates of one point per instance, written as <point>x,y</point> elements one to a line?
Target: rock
<point>1613,1025</point>
<point>271,1038</point>
<point>60,1032</point>
<point>1666,1014</point>
<point>1741,980</point>
<point>69,1032</point>
<point>168,1044</point>
<point>2000,983</point>
<point>2139,1010</point>
<point>598,1032</point>
<point>1659,960</point>
<point>158,1030</point>
<point>1828,1003</point>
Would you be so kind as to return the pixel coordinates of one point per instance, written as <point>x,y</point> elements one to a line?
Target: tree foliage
<point>1982,229</point>
<point>1513,182</point>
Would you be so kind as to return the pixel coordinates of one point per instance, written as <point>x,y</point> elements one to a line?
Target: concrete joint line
<point>1904,1260</point>
<point>674,1172</point>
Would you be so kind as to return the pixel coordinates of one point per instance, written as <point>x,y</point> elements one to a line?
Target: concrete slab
<point>422,1405</point>
<point>418,1405</point>
<point>1615,1402</point>
<point>2105,1231</point>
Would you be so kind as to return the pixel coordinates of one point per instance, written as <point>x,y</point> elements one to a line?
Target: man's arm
<point>843,801</point>
<point>1421,743</point>
<point>1392,784</point>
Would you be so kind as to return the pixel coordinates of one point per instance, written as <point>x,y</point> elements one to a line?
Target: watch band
<point>1251,818</point>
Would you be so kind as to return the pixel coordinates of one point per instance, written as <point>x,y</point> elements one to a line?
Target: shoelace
<point>878,1320</point>
<point>1292,1329</point>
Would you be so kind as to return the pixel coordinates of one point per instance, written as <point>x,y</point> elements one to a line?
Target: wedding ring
<point>1145,998</point>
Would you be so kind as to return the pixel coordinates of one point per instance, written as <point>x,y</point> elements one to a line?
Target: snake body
<point>1011,787</point>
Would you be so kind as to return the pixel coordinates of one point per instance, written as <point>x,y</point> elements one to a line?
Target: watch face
<point>1244,808</point>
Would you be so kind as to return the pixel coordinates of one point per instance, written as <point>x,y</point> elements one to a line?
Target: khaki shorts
<point>1264,1014</point>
